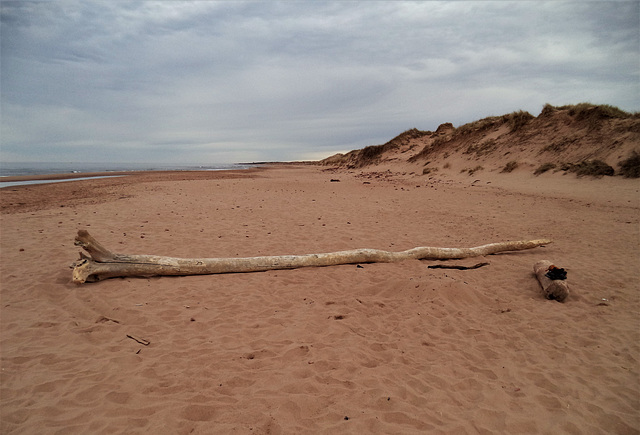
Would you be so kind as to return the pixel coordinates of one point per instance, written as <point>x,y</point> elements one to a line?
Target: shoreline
<point>71,175</point>
<point>89,174</point>
<point>100,186</point>
<point>5,184</point>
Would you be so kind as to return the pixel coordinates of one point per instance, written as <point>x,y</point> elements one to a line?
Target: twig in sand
<point>139,340</point>
<point>453,266</point>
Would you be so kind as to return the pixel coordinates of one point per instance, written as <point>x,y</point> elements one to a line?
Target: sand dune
<point>381,348</point>
<point>582,139</point>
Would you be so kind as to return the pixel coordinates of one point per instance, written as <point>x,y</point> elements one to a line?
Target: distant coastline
<point>50,180</point>
<point>13,169</point>
<point>20,174</point>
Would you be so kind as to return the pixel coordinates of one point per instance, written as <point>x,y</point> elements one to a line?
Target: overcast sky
<point>230,81</point>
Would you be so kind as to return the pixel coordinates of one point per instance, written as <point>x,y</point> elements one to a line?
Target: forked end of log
<point>93,247</point>
<point>82,271</point>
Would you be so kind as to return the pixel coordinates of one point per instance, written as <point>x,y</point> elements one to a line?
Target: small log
<point>553,289</point>
<point>103,263</point>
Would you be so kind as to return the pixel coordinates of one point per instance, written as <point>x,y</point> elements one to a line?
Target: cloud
<point>187,81</point>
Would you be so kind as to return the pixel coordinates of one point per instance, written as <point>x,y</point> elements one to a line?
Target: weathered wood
<point>103,263</point>
<point>553,289</point>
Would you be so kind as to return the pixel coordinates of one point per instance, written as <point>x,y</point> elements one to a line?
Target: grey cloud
<point>280,80</point>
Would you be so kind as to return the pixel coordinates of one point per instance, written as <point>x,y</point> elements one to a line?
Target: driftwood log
<point>553,289</point>
<point>102,263</point>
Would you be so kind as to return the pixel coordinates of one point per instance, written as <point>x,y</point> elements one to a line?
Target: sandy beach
<point>373,348</point>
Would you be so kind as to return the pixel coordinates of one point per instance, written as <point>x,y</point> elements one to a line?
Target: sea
<point>9,169</point>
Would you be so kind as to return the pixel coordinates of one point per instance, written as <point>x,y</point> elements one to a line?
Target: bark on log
<point>553,289</point>
<point>103,263</point>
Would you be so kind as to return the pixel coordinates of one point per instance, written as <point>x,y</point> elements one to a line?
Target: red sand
<point>385,348</point>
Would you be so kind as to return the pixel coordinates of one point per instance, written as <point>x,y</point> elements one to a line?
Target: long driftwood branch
<point>103,263</point>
